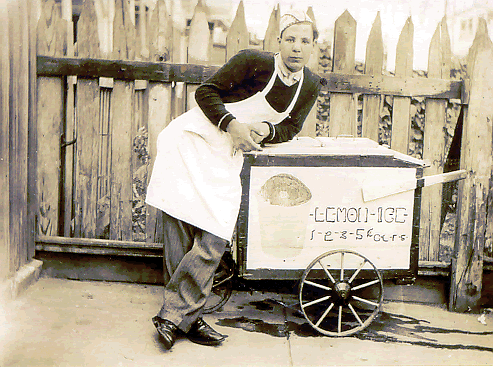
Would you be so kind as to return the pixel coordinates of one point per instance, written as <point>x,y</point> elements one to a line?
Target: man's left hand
<point>259,130</point>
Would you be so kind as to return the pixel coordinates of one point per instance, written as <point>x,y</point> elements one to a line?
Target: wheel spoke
<point>339,321</point>
<point>366,284</point>
<point>318,285</point>
<point>327,272</point>
<point>315,301</point>
<point>342,266</point>
<point>354,313</point>
<point>357,271</point>
<point>365,301</point>
<point>324,315</point>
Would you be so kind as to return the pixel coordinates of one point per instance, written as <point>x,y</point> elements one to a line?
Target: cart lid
<point>335,147</point>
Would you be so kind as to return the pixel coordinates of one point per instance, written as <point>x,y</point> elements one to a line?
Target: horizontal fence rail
<point>196,74</point>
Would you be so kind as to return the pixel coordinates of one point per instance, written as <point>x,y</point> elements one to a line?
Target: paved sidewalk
<point>74,323</point>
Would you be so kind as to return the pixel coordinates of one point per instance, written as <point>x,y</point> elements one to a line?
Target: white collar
<point>287,77</point>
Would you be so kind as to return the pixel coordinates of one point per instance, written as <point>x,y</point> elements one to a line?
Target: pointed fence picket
<point>439,65</point>
<point>199,48</point>
<point>310,125</point>
<point>401,117</point>
<point>67,145</point>
<point>159,112</point>
<point>473,192</point>
<point>122,104</point>
<point>270,42</point>
<point>373,66</point>
<point>238,37</point>
<point>342,116</point>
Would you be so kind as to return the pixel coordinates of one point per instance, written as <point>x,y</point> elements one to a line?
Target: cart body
<point>304,197</point>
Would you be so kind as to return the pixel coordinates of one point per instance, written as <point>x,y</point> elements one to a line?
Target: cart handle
<point>377,190</point>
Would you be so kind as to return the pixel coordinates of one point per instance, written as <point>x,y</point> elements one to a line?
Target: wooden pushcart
<point>338,214</point>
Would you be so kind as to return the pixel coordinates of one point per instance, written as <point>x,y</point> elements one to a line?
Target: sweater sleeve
<point>292,125</point>
<point>230,77</point>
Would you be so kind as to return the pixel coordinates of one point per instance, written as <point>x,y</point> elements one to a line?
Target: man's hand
<point>259,130</point>
<point>242,136</point>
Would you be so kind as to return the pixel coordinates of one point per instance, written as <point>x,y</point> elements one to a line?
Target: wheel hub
<point>343,289</point>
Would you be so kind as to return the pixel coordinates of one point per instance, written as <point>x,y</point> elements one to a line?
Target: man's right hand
<point>241,135</point>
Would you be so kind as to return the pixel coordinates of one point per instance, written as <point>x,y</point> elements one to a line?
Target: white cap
<point>294,16</point>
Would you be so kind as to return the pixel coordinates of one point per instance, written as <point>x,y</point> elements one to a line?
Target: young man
<point>255,98</point>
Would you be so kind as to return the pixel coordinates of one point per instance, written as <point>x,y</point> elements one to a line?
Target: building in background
<point>463,25</point>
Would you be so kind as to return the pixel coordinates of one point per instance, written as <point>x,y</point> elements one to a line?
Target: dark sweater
<point>247,73</point>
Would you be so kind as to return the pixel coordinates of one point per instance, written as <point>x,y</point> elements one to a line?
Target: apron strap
<point>272,79</point>
<point>296,95</point>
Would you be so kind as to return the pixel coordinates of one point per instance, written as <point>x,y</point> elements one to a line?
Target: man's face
<point>296,45</point>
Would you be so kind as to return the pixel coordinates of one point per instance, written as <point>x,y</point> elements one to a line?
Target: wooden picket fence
<point>103,99</point>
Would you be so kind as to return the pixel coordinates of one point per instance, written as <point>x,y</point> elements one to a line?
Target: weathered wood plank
<point>159,118</point>
<point>476,157</point>
<point>159,107</point>
<point>105,15</point>
<point>140,158</point>
<point>199,38</point>
<point>98,246</point>
<point>397,86</point>
<point>23,131</point>
<point>88,149</point>
<point>4,146</point>
<point>401,119</point>
<point>272,32</point>
<point>434,147</point>
<point>121,155</point>
<point>69,129</point>
<point>342,115</point>
<point>199,43</point>
<point>310,124</point>
<point>160,38</point>
<point>488,245</point>
<point>179,40</point>
<point>51,34</point>
<point>373,66</point>
<point>31,10</point>
<point>121,128</point>
<point>17,209</point>
<point>66,11</point>
<point>87,32</point>
<point>103,197</point>
<point>88,128</point>
<point>52,31</point>
<point>238,37</point>
<point>124,43</point>
<point>142,19</point>
<point>189,73</point>
<point>50,123</point>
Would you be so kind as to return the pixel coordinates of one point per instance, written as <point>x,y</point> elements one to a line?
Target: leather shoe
<point>202,333</point>
<point>167,330</point>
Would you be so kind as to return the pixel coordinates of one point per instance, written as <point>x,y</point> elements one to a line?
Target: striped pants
<point>191,257</point>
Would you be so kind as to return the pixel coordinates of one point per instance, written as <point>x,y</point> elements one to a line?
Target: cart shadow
<point>385,328</point>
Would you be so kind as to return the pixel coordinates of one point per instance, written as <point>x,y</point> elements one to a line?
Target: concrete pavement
<point>82,323</point>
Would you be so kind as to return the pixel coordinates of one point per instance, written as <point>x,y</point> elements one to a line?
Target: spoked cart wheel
<point>341,292</point>
<point>222,286</point>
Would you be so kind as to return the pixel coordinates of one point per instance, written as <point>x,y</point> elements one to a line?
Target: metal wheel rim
<point>213,304</point>
<point>361,324</point>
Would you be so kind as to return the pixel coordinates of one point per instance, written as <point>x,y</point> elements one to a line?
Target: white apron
<point>196,174</point>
